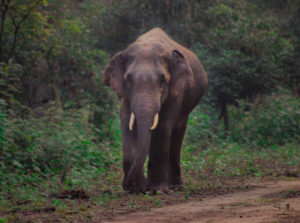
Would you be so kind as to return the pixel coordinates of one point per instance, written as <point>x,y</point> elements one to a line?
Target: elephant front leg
<point>134,179</point>
<point>174,170</point>
<point>158,161</point>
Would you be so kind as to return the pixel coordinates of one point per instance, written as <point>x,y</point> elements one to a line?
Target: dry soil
<point>269,202</point>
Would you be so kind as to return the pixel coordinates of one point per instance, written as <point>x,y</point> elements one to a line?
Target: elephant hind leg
<point>174,170</point>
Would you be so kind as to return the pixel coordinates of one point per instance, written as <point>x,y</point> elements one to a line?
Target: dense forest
<point>59,125</point>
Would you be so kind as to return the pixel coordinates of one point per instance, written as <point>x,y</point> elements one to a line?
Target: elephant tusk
<point>131,122</point>
<point>155,122</point>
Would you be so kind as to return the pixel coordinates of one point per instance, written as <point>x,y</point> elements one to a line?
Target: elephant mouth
<point>154,125</point>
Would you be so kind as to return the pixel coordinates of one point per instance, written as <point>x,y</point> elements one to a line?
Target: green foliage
<point>274,120</point>
<point>203,127</point>
<point>61,147</point>
<point>232,159</point>
<point>245,58</point>
<point>263,139</point>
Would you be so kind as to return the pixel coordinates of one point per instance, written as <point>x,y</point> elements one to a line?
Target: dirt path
<point>269,203</point>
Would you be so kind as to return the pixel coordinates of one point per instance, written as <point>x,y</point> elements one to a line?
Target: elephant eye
<point>129,78</point>
<point>161,80</point>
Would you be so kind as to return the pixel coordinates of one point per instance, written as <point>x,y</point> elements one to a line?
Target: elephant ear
<point>113,75</point>
<point>181,71</point>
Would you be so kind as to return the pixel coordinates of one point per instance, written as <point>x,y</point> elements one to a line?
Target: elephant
<point>158,82</point>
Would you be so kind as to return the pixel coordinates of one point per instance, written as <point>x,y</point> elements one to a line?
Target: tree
<point>242,53</point>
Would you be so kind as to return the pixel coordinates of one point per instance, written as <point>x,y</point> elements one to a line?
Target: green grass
<point>232,159</point>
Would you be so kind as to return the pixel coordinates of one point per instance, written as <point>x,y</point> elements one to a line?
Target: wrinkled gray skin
<point>155,75</point>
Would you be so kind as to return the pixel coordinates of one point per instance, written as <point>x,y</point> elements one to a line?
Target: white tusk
<point>131,122</point>
<point>155,122</point>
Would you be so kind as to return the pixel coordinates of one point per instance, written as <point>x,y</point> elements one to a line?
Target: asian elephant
<point>158,82</point>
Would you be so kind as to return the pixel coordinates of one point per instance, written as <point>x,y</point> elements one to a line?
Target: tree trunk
<point>224,116</point>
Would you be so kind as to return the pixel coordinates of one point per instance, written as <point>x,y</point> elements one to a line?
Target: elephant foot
<point>134,189</point>
<point>135,186</point>
<point>158,189</point>
<point>175,183</point>
<point>176,187</point>
<point>158,192</point>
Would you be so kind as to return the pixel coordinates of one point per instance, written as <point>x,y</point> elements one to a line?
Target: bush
<point>271,120</point>
<point>203,127</point>
<point>62,148</point>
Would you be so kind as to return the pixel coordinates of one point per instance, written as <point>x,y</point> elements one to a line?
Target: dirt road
<point>269,203</point>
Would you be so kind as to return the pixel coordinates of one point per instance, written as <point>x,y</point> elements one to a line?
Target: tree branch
<point>17,26</point>
<point>3,16</point>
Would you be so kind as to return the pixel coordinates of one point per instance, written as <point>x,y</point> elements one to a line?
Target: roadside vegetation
<point>60,141</point>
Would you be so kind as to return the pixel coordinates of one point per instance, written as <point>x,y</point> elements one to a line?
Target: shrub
<point>62,147</point>
<point>274,119</point>
<point>271,120</point>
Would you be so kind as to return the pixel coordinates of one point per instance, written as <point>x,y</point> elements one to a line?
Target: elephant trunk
<point>145,114</point>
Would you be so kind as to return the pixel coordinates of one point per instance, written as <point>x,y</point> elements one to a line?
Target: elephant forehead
<point>146,50</point>
<point>148,69</point>
<point>142,66</point>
